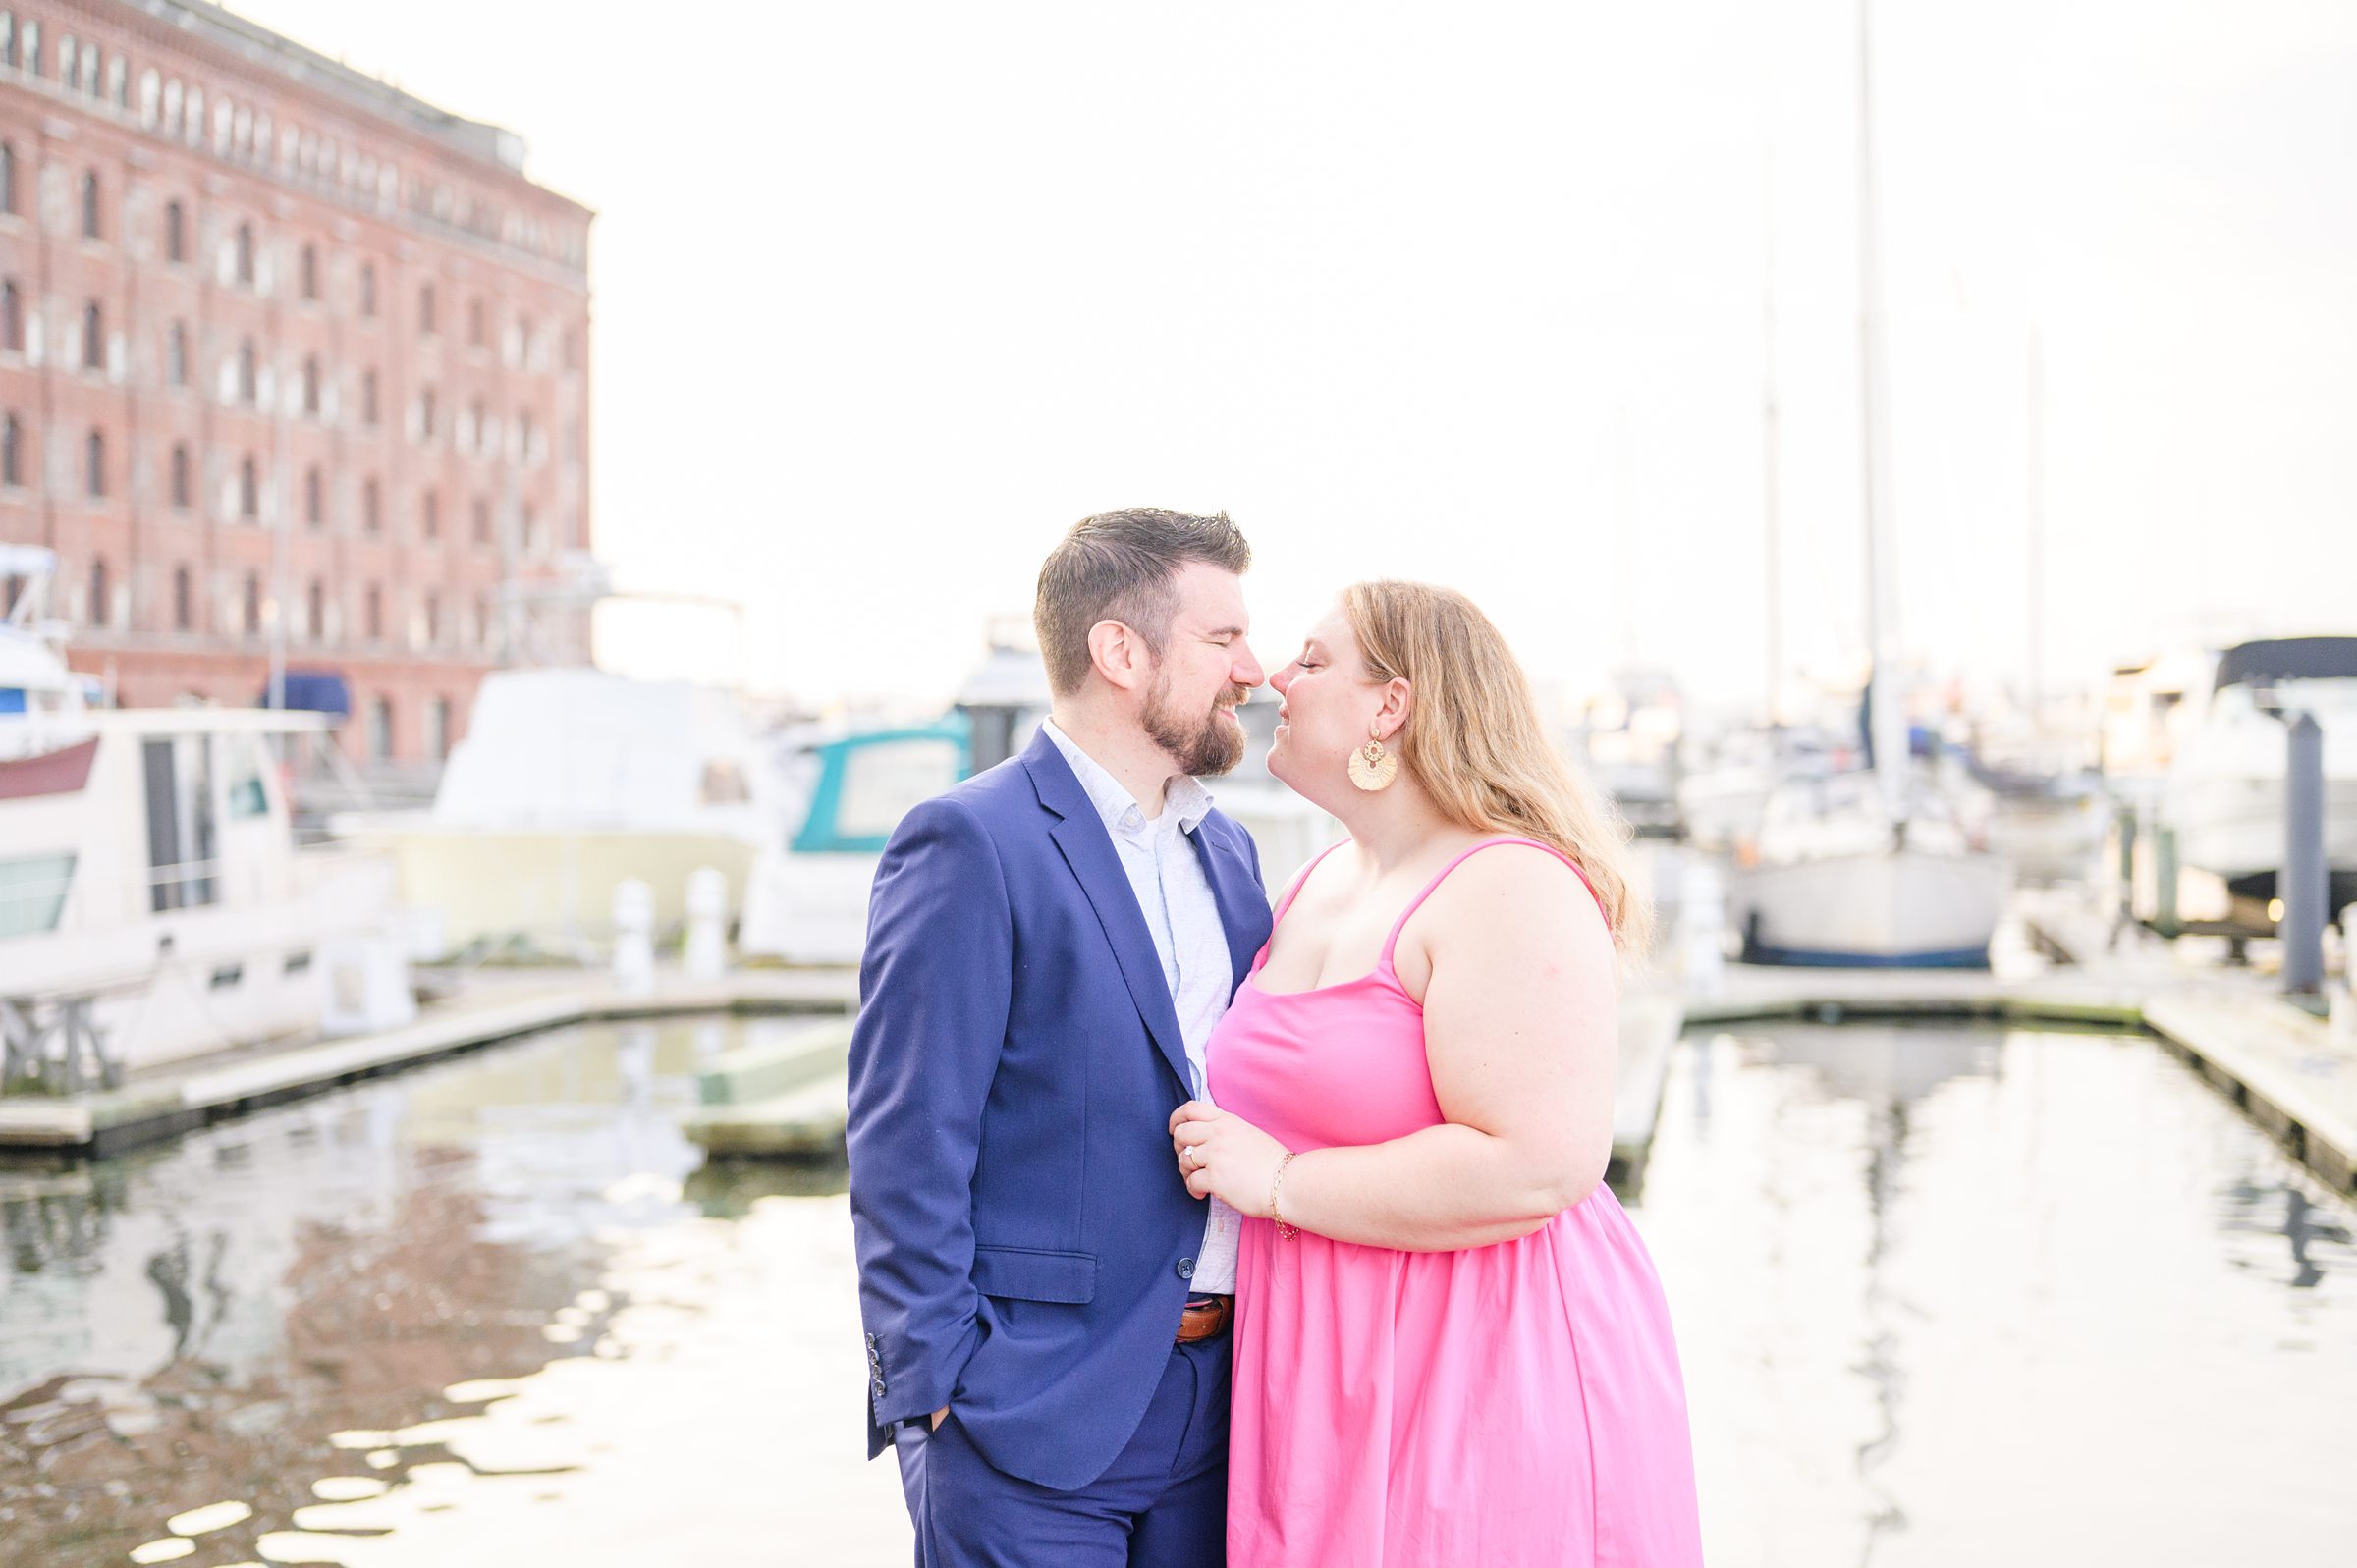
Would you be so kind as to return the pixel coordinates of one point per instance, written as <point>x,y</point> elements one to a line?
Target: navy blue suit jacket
<point>1024,1237</point>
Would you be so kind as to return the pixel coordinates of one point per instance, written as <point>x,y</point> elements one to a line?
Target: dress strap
<point>1300,881</point>
<point>1416,903</point>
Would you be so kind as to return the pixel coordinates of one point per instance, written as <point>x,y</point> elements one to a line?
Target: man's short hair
<point>1119,566</point>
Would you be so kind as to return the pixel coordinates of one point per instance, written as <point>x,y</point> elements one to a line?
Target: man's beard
<point>1203,745</point>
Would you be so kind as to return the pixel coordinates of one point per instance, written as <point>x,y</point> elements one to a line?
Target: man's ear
<point>1118,654</point>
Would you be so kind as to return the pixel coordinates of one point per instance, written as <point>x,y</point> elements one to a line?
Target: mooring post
<point>2302,883</point>
<point>2164,880</point>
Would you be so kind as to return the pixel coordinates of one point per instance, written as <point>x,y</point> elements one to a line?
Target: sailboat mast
<point>1886,725</point>
<point>1769,500</point>
<point>2037,550</point>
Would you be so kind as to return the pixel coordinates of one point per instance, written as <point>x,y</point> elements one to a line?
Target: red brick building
<point>288,359</point>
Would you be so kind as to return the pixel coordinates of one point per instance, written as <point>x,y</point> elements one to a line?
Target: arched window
<point>315,605</point>
<point>90,205</point>
<point>376,620</point>
<point>310,385</point>
<point>245,255</point>
<point>176,354</point>
<point>437,730</point>
<point>380,729</point>
<point>433,617</point>
<point>425,310</point>
<point>12,451</point>
<point>12,317</point>
<point>368,289</point>
<point>183,600</point>
<point>372,515</point>
<point>246,376</point>
<point>315,498</point>
<point>181,484</point>
<point>8,177</point>
<point>100,602</point>
<point>368,397</point>
<point>93,337</point>
<point>250,489</point>
<point>475,323</point>
<point>94,464</point>
<point>310,272</point>
<point>430,515</point>
<point>175,232</point>
<point>151,92</point>
<point>251,601</point>
<point>118,81</point>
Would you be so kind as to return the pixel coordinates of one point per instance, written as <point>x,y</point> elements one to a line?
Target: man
<point>1050,945</point>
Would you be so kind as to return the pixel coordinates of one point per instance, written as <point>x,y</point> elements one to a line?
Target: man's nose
<point>1246,671</point>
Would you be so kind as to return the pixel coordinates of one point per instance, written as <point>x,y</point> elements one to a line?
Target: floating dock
<point>173,1098</point>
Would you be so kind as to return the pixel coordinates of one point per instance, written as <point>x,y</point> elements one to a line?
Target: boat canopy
<point>314,692</point>
<point>2258,663</point>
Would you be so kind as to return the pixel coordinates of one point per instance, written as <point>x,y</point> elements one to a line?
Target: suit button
<point>1187,1268</point>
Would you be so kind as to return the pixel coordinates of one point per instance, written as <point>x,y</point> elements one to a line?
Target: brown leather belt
<point>1204,1317</point>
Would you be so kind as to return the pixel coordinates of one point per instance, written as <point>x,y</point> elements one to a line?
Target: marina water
<point>1945,1295</point>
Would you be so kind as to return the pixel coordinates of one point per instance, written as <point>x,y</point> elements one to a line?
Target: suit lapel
<point>1243,913</point>
<point>1090,851</point>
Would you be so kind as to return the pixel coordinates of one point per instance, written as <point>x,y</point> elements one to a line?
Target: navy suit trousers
<point>1162,1504</point>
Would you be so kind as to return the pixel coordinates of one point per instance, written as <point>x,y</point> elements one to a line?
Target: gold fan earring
<point>1371,767</point>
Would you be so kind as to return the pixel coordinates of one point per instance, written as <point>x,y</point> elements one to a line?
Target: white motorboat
<point>2223,792</point>
<point>569,783</point>
<point>153,903</point>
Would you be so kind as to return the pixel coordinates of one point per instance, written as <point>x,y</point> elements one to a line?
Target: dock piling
<point>2302,883</point>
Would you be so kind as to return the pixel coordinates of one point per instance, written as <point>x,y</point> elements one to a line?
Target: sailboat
<point>1865,868</point>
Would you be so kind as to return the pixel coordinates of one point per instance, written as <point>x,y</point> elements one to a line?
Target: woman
<point>1451,1347</point>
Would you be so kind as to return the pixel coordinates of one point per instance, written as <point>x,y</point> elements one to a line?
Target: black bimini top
<point>2256,663</point>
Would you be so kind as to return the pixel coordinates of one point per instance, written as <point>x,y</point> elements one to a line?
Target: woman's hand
<point>1226,1156</point>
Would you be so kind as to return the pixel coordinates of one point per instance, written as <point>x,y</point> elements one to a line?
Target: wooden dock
<point>173,1098</point>
<point>2294,1073</point>
<point>2291,1071</point>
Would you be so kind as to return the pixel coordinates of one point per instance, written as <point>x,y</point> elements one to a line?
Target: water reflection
<point>271,1329</point>
<point>1948,1295</point>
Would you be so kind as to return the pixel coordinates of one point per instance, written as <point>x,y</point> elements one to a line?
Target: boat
<point>1628,736</point>
<point>2223,789</point>
<point>1869,868</point>
<point>154,905</point>
<point>806,899</point>
<point>569,783</point>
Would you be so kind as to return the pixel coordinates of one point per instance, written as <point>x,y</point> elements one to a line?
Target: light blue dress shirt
<point>1184,919</point>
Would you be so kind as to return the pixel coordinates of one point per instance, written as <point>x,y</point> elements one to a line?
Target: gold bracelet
<point>1285,1232</point>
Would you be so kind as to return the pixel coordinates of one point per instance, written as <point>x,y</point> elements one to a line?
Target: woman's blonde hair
<point>1476,743</point>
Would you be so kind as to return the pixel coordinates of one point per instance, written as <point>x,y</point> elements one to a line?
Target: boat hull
<point>1888,908</point>
<point>551,887</point>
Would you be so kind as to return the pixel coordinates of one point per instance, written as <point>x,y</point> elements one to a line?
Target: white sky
<point>885,296</point>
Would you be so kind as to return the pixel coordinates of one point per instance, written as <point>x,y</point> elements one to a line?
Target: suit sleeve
<point>935,985</point>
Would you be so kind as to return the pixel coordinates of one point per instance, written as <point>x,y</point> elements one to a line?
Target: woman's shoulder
<point>1511,887</point>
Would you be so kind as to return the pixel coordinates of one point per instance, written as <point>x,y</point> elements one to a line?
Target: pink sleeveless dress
<point>1505,1405</point>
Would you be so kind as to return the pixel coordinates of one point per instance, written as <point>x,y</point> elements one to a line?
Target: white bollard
<point>634,937</point>
<point>707,955</point>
